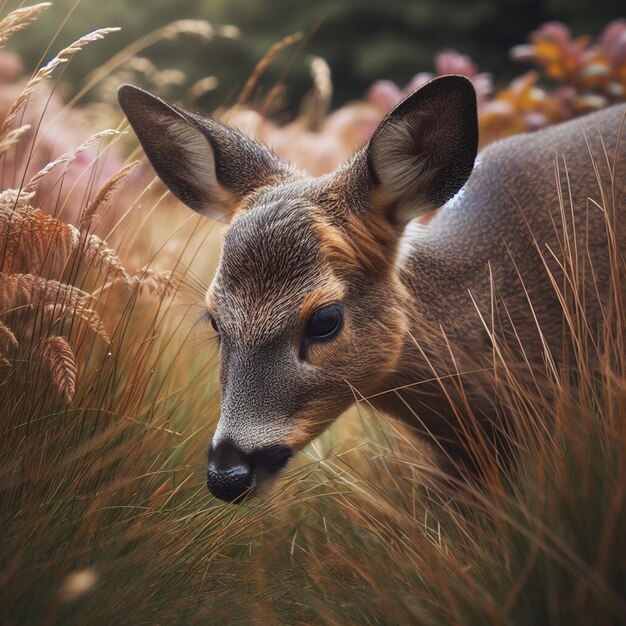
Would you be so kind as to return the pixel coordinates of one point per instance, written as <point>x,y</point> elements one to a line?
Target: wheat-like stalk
<point>29,237</point>
<point>142,65</point>
<point>265,62</point>
<point>59,357</point>
<point>85,314</point>
<point>81,42</point>
<point>20,19</point>
<point>7,340</point>
<point>93,320</point>
<point>195,28</point>
<point>12,138</point>
<point>97,254</point>
<point>28,290</point>
<point>14,199</point>
<point>202,86</point>
<point>157,283</point>
<point>46,71</point>
<point>315,106</point>
<point>68,157</point>
<point>104,194</point>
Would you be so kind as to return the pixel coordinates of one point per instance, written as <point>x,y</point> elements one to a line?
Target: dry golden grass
<point>105,516</point>
<point>19,19</point>
<point>264,63</point>
<point>103,196</point>
<point>7,340</point>
<point>47,70</point>
<point>57,355</point>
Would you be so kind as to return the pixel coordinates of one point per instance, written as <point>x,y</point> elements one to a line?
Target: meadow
<point>109,385</point>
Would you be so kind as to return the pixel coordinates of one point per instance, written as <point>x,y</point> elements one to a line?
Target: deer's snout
<point>232,473</point>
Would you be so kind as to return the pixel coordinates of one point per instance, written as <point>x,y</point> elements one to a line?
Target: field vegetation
<point>109,386</point>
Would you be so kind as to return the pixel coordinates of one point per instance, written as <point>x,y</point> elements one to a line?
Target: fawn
<point>329,291</point>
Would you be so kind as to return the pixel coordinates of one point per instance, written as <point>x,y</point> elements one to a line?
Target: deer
<point>335,290</point>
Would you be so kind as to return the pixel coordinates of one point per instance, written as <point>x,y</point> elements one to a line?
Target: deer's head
<point>307,299</point>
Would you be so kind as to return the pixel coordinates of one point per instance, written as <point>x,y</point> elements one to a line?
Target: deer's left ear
<point>423,151</point>
<point>207,165</point>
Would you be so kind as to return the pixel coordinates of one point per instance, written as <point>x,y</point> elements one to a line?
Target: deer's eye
<point>211,319</point>
<point>324,323</point>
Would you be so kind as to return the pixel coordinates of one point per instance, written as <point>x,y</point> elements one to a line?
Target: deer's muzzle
<point>232,473</point>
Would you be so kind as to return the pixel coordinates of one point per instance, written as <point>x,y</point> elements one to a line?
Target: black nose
<point>232,473</point>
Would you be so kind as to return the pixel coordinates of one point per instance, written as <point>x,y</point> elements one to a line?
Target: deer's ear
<point>207,165</point>
<point>423,151</point>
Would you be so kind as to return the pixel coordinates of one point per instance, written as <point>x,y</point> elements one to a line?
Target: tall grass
<point>108,398</point>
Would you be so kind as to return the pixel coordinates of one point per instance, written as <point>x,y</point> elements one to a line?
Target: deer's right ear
<point>207,165</point>
<point>423,151</point>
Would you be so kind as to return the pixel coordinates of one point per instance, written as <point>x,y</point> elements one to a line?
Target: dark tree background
<point>362,40</point>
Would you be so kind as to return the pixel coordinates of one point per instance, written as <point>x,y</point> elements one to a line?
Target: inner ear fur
<point>207,165</point>
<point>424,150</point>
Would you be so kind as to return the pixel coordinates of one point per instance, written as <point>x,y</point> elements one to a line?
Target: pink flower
<point>613,41</point>
<point>384,95</point>
<point>453,62</point>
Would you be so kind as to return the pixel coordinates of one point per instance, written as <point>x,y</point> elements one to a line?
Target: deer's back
<point>534,203</point>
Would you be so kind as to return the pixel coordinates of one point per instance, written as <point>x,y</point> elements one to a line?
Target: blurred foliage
<point>362,40</point>
<point>105,518</point>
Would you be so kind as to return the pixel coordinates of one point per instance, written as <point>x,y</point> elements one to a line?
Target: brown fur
<point>333,291</point>
<point>425,307</point>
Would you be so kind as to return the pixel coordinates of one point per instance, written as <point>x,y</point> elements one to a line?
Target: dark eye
<point>213,322</point>
<point>324,323</point>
